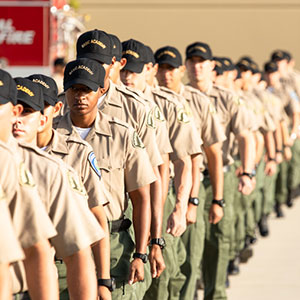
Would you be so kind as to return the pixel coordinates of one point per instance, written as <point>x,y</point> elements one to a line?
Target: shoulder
<point>130,94</point>
<point>227,95</point>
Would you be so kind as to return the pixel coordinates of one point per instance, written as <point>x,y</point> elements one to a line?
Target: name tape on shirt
<point>94,164</point>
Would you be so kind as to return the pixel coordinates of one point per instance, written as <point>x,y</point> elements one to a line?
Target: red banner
<point>24,33</point>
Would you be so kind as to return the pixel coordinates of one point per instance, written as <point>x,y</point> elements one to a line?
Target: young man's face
<point>82,100</point>
<point>199,69</point>
<point>134,80</point>
<point>273,78</point>
<point>7,117</point>
<point>28,124</point>
<point>169,76</point>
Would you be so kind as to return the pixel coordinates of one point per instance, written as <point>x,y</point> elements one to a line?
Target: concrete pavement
<point>273,273</point>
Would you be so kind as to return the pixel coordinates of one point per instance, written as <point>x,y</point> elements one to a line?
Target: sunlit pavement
<point>273,273</point>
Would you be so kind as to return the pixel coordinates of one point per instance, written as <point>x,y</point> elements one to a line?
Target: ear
<point>155,69</point>
<point>149,66</point>
<point>57,108</point>
<point>113,60</point>
<point>123,62</point>
<point>17,110</point>
<point>212,64</point>
<point>182,70</point>
<point>43,122</point>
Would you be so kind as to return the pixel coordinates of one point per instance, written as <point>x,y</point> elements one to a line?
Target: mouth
<point>17,131</point>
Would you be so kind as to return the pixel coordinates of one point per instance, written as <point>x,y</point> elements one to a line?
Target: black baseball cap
<point>219,65</point>
<point>84,71</point>
<point>116,49</point>
<point>8,88</point>
<point>49,87</point>
<point>149,55</point>
<point>270,67</point>
<point>199,49</point>
<point>30,93</point>
<point>278,55</point>
<point>228,64</point>
<point>168,55</point>
<point>136,54</point>
<point>244,65</point>
<point>95,44</point>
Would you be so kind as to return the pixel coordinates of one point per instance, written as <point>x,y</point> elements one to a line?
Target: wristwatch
<point>219,202</point>
<point>194,200</point>
<point>158,241</point>
<point>109,283</point>
<point>143,257</point>
<point>250,175</point>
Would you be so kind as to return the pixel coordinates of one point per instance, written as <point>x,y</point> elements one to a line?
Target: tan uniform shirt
<point>10,249</point>
<point>157,120</point>
<point>232,113</point>
<point>183,135</point>
<point>65,200</point>
<point>29,217</point>
<point>78,154</point>
<point>128,107</point>
<point>262,117</point>
<point>123,161</point>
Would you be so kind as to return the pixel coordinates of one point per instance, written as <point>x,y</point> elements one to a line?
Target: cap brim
<point>199,54</point>
<point>169,62</point>
<point>49,100</point>
<point>31,104</point>
<point>90,84</point>
<point>101,58</point>
<point>4,100</point>
<point>134,67</point>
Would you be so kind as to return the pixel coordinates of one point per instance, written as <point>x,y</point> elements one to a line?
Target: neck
<point>202,85</point>
<point>44,138</point>
<point>84,121</point>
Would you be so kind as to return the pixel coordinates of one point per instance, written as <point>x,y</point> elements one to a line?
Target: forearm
<point>156,205</point>
<point>164,171</point>
<point>5,284</point>
<point>247,150</point>
<point>278,138</point>
<point>270,144</point>
<point>295,122</point>
<point>196,163</point>
<point>215,168</point>
<point>101,250</point>
<point>259,146</point>
<point>41,280</point>
<point>81,276</point>
<point>183,181</point>
<point>285,134</point>
<point>141,217</point>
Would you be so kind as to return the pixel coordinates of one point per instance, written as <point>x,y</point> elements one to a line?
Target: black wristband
<point>194,200</point>
<point>109,283</point>
<point>279,151</point>
<point>271,159</point>
<point>143,257</point>
<point>219,202</point>
<point>247,174</point>
<point>158,241</point>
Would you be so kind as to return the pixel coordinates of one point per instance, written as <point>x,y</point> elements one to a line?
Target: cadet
<point>123,162</point>
<point>234,118</point>
<point>78,154</point>
<point>170,73</point>
<point>119,102</point>
<point>32,226</point>
<point>62,193</point>
<point>134,75</point>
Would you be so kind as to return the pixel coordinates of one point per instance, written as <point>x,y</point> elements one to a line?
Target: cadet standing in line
<point>124,165</point>
<point>134,75</point>
<point>32,226</point>
<point>63,195</point>
<point>169,75</point>
<point>79,155</point>
<point>234,118</point>
<point>119,102</point>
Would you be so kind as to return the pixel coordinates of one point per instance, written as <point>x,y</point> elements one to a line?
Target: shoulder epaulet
<point>192,90</point>
<point>163,94</point>
<point>119,122</point>
<point>74,139</point>
<point>127,92</point>
<point>167,90</point>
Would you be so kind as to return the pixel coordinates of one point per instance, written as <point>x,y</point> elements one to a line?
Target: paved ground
<point>273,273</point>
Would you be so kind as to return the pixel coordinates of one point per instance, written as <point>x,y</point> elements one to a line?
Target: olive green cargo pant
<point>169,284</point>
<point>217,242</point>
<point>193,240</point>
<point>293,179</point>
<point>281,191</point>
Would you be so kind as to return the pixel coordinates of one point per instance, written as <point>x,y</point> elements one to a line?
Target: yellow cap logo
<point>81,67</point>
<point>94,41</point>
<point>132,53</point>
<point>226,62</point>
<point>41,82</point>
<point>25,90</point>
<point>166,52</point>
<point>202,49</point>
<point>1,83</point>
<point>218,64</point>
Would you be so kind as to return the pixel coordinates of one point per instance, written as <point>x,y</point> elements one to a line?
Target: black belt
<point>119,225</point>
<point>21,296</point>
<point>205,173</point>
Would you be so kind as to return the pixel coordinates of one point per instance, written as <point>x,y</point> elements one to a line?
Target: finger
<point>160,268</point>
<point>170,225</point>
<point>131,276</point>
<point>153,268</point>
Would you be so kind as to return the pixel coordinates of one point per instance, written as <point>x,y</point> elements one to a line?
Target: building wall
<point>231,27</point>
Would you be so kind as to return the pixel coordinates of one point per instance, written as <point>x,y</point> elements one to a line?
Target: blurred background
<point>34,33</point>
